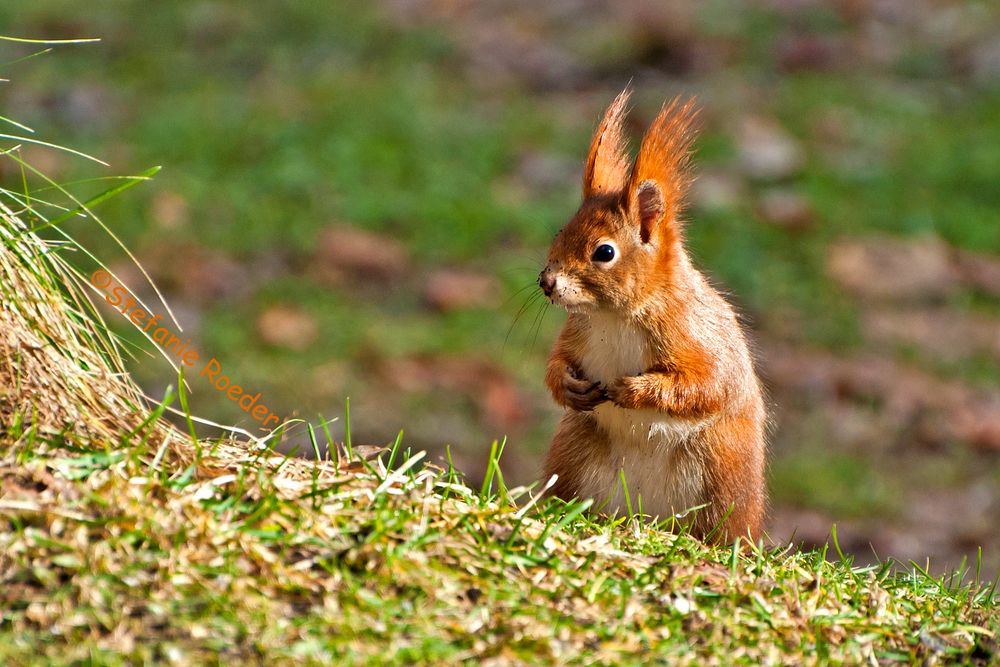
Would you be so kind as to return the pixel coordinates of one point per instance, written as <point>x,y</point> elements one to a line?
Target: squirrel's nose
<point>547,281</point>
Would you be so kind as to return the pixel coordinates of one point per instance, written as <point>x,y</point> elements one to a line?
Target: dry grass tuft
<point>62,370</point>
<point>51,361</point>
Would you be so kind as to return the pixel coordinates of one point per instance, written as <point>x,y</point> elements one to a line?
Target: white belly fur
<point>643,442</point>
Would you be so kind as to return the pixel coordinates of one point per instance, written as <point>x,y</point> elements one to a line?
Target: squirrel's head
<point>625,239</point>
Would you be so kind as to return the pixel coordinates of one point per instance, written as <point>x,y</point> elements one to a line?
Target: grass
<point>113,557</point>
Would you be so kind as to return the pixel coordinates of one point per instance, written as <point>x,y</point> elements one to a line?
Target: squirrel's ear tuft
<point>606,170</point>
<point>660,175</point>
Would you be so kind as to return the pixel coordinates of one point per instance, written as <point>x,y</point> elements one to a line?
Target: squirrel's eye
<point>604,253</point>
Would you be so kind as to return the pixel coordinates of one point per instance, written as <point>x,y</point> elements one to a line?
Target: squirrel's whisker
<point>532,298</point>
<point>518,293</point>
<point>538,321</point>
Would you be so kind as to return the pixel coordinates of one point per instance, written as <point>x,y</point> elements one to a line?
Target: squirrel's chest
<point>612,349</point>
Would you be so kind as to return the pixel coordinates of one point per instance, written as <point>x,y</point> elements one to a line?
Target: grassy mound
<point>125,540</point>
<point>113,553</point>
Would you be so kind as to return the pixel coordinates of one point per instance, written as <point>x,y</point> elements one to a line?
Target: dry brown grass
<point>61,368</point>
<point>56,364</point>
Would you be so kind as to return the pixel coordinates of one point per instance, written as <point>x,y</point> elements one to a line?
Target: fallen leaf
<point>766,150</point>
<point>195,273</point>
<point>883,267</point>
<point>979,271</point>
<point>800,52</point>
<point>287,326</point>
<point>170,210</point>
<point>345,252</point>
<point>453,289</point>
<point>501,404</point>
<point>717,190</point>
<point>914,404</point>
<point>940,332</point>
<point>786,209</point>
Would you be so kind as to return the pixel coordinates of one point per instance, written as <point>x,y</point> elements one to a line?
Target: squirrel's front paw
<point>580,393</point>
<point>622,392</point>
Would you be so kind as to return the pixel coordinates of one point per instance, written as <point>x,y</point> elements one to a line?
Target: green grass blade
<point>83,208</point>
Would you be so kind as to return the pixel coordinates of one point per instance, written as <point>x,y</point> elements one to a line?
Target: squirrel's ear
<point>660,177</point>
<point>650,206</point>
<point>606,169</point>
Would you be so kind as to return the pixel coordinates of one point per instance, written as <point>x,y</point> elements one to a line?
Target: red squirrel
<point>651,365</point>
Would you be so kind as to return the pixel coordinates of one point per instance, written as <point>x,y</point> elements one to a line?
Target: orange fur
<point>652,366</point>
<point>664,154</point>
<point>607,160</point>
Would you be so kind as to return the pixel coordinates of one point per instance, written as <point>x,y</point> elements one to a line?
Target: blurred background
<point>356,200</point>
